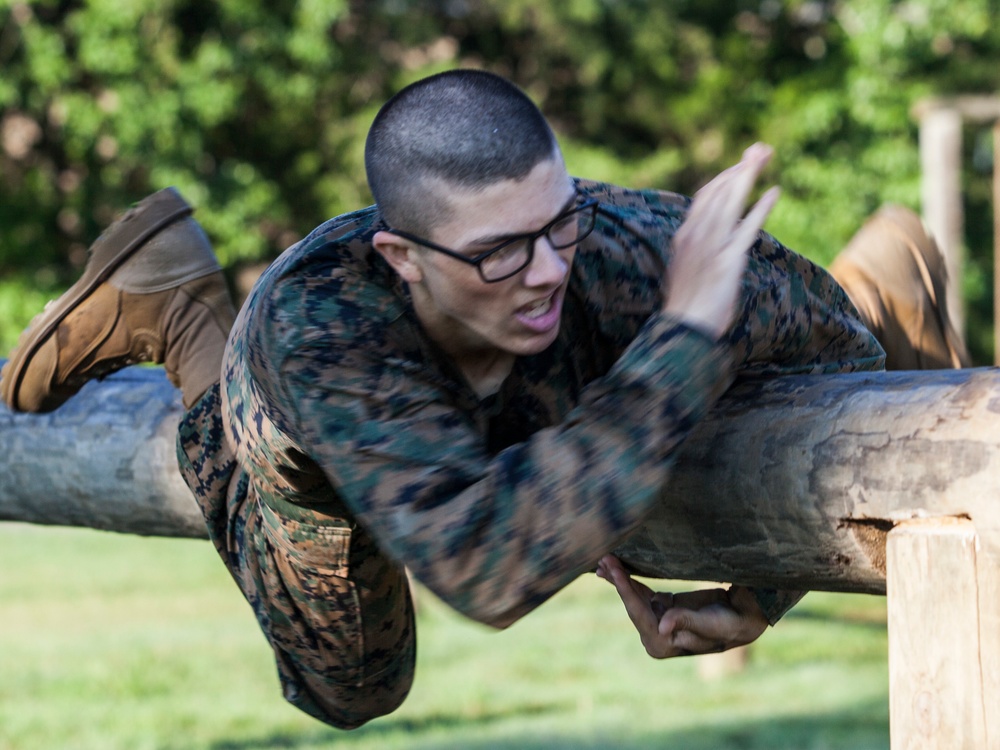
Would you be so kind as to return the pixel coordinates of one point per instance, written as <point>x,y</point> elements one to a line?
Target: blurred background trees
<point>257,110</point>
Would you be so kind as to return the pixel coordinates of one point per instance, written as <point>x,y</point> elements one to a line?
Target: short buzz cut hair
<point>466,128</point>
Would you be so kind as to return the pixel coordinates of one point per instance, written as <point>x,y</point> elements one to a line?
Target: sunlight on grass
<point>112,641</point>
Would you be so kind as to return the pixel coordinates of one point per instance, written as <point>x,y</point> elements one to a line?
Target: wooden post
<point>996,242</point>
<point>941,163</point>
<point>723,664</point>
<point>944,637</point>
<point>941,120</point>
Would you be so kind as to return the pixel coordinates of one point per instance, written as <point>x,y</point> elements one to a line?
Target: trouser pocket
<point>313,608</point>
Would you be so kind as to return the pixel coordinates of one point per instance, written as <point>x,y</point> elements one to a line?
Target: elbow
<point>488,607</point>
<point>491,616</point>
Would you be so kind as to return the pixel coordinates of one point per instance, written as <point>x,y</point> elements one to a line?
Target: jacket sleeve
<point>495,536</point>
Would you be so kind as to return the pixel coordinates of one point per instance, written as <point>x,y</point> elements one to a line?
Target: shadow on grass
<point>870,621</point>
<point>862,727</point>
<point>432,723</point>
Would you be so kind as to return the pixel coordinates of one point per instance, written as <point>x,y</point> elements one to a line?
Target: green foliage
<point>257,110</point>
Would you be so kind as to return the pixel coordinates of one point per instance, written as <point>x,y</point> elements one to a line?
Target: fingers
<point>717,626</point>
<point>608,563</point>
<point>634,595</point>
<point>690,635</point>
<point>725,196</point>
<point>692,622</point>
<point>661,602</point>
<point>710,247</point>
<point>747,230</point>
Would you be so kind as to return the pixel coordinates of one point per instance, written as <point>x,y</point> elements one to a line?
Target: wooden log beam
<point>792,482</point>
<point>979,109</point>
<point>106,460</point>
<point>795,482</point>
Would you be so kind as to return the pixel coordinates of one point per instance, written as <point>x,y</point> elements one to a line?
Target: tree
<point>257,111</point>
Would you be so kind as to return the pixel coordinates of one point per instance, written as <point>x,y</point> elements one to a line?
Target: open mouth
<point>538,309</point>
<point>542,316</point>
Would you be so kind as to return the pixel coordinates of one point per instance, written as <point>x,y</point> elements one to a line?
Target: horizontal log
<point>792,482</point>
<point>795,482</point>
<point>977,109</point>
<point>106,459</point>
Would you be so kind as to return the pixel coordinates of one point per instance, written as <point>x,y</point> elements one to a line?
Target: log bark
<point>792,482</point>
<point>795,482</point>
<point>106,460</point>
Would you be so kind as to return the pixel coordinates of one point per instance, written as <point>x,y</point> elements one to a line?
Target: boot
<point>895,275</point>
<point>152,291</point>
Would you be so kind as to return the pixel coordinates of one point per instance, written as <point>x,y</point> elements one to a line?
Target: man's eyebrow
<point>496,239</point>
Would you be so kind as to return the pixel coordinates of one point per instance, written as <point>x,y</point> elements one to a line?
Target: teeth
<point>539,309</point>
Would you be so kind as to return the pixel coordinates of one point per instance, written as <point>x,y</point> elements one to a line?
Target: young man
<point>485,378</point>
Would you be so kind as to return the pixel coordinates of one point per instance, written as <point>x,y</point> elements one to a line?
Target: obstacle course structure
<point>884,483</point>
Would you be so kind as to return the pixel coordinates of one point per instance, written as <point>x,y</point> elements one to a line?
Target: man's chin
<point>537,344</point>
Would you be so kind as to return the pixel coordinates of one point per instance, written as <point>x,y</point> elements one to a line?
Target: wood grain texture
<point>944,625</point>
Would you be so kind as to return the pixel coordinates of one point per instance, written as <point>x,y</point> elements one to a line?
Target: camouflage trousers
<point>336,611</point>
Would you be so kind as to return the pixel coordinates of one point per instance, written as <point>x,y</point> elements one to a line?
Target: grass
<point>110,641</point>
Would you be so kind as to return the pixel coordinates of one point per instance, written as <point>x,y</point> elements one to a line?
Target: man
<point>485,378</point>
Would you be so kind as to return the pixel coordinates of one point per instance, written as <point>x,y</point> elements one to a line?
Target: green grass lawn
<point>110,641</point>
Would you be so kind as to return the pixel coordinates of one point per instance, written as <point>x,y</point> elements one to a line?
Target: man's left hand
<point>695,622</point>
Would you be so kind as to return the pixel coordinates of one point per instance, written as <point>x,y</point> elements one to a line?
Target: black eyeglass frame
<point>531,237</point>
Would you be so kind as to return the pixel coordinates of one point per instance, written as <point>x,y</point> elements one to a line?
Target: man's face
<point>517,316</point>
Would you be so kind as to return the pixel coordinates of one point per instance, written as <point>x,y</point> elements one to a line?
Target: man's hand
<point>710,248</point>
<point>697,622</point>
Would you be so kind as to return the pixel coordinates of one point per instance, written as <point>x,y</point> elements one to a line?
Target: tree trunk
<point>792,482</point>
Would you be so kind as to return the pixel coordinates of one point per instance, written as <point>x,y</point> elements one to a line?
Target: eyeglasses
<point>509,257</point>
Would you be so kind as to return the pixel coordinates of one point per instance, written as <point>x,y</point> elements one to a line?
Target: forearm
<point>497,536</point>
<point>547,509</point>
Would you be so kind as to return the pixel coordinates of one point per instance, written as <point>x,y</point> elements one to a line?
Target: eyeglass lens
<point>515,255</point>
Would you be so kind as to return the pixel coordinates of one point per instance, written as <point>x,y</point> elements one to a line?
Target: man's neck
<point>486,374</point>
<point>483,367</point>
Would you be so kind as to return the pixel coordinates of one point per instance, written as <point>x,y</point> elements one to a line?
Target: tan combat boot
<point>895,275</point>
<point>152,291</point>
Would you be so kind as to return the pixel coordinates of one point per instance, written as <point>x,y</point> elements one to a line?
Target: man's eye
<point>475,252</point>
<point>565,223</point>
<point>508,250</point>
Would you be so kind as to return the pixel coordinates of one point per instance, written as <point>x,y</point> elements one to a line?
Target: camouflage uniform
<point>357,448</point>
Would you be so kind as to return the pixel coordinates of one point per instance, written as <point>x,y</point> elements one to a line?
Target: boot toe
<point>32,389</point>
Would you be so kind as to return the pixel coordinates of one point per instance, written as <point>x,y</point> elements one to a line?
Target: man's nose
<point>547,267</point>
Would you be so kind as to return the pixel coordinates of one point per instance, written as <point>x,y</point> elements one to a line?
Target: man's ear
<point>400,254</point>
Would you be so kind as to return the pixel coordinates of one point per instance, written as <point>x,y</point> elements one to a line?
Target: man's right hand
<point>710,248</point>
<point>694,622</point>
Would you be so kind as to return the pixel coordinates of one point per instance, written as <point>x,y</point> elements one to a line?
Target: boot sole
<point>116,245</point>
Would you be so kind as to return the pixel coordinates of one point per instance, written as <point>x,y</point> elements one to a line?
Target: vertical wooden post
<point>723,664</point>
<point>941,163</point>
<point>996,242</point>
<point>944,637</point>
